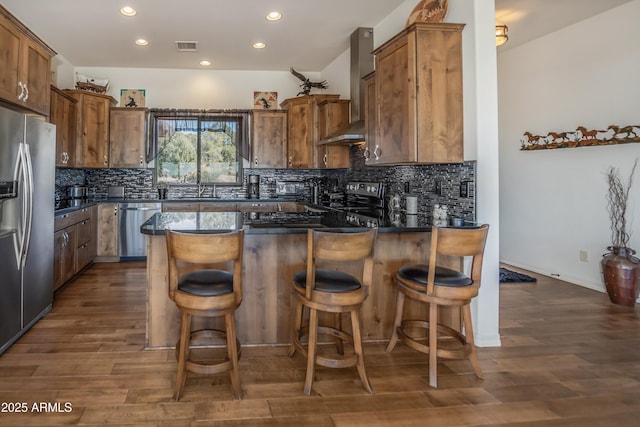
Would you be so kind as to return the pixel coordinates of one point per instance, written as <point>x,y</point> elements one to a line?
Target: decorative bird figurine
<point>308,84</point>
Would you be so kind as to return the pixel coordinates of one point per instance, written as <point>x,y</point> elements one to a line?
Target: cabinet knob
<point>290,160</point>
<point>367,154</point>
<point>105,160</point>
<point>255,161</point>
<point>141,161</point>
<point>324,160</point>
<point>26,96</point>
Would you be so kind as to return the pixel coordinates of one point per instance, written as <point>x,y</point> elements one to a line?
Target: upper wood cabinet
<point>302,129</point>
<point>63,114</point>
<point>333,116</point>
<point>418,89</point>
<point>269,139</point>
<point>127,134</point>
<point>25,66</point>
<point>370,124</point>
<point>92,128</point>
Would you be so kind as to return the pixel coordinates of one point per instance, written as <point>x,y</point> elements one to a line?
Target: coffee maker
<point>253,187</point>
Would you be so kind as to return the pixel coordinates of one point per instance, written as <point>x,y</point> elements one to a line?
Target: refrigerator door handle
<point>18,176</point>
<point>29,203</point>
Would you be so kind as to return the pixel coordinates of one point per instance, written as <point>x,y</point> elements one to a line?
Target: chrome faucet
<point>201,189</point>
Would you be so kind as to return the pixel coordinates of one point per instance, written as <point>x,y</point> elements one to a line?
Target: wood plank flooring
<point>569,358</point>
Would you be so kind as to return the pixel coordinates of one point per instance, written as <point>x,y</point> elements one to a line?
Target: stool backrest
<point>340,247</point>
<point>193,251</point>
<point>458,242</point>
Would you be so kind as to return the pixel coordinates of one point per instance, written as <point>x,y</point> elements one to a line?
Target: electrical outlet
<point>584,256</point>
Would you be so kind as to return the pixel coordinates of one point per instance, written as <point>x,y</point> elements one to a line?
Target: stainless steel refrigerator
<point>27,197</point>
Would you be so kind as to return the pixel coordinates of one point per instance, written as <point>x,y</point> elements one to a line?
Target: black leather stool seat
<point>444,276</point>
<point>328,281</point>
<point>206,282</point>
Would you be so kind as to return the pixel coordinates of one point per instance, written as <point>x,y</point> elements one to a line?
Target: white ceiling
<point>92,33</point>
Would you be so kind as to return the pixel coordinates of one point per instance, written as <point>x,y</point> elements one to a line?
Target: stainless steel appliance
<point>78,195</point>
<point>27,176</point>
<point>132,244</point>
<point>253,187</point>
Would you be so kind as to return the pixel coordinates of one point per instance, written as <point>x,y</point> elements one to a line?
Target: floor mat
<point>508,276</point>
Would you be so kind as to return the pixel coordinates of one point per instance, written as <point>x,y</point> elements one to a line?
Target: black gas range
<point>364,203</point>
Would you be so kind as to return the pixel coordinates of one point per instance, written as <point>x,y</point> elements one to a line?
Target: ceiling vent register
<point>187,46</point>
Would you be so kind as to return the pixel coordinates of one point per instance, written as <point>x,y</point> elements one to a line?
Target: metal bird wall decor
<point>307,84</point>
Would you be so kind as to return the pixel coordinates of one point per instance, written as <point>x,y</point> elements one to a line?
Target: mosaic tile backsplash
<point>452,185</point>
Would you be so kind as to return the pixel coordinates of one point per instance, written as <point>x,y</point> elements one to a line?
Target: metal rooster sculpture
<point>308,84</point>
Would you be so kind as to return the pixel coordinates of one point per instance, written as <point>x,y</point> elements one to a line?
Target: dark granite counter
<point>273,222</point>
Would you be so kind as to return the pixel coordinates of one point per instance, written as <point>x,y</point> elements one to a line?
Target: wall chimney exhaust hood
<point>361,65</point>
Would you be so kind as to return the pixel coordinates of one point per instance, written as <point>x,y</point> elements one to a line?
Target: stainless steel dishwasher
<point>131,242</point>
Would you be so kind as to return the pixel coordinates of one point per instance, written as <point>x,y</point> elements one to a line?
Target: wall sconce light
<point>501,34</point>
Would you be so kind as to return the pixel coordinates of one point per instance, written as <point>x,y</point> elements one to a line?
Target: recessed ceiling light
<point>259,45</point>
<point>142,42</point>
<point>128,11</point>
<point>205,63</point>
<point>274,16</point>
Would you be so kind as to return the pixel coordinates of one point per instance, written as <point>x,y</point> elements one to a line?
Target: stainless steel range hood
<point>361,65</point>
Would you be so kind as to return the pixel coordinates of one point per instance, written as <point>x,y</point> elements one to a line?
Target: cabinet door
<point>92,129</point>
<point>370,119</point>
<point>63,115</point>
<point>269,139</point>
<point>36,66</point>
<point>10,45</point>
<point>333,156</point>
<point>395,139</point>
<point>127,133</point>
<point>64,256</point>
<point>333,116</point>
<point>300,133</point>
<point>107,245</point>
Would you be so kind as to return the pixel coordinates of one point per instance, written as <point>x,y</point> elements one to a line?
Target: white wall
<point>552,202</point>
<point>200,89</point>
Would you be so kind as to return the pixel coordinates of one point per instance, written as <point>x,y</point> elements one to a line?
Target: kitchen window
<point>198,148</point>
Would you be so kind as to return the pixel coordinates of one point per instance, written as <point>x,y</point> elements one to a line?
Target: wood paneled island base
<point>270,260</point>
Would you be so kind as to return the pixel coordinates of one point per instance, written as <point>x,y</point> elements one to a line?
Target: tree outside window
<point>196,150</point>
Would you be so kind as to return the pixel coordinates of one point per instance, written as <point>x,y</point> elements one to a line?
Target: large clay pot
<point>621,271</point>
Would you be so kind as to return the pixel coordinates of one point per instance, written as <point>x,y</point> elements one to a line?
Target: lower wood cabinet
<point>107,231</point>
<point>74,243</point>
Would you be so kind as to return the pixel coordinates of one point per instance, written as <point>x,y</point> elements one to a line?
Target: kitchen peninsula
<point>274,249</point>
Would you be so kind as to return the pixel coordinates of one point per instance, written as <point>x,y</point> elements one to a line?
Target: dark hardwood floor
<point>569,358</point>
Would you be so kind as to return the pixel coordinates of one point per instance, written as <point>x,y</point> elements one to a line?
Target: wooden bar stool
<point>205,279</point>
<point>333,291</point>
<point>439,286</point>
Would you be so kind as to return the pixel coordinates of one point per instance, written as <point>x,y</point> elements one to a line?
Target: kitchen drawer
<point>180,207</point>
<point>65,220</point>
<point>84,230</point>
<point>218,207</point>
<point>84,255</point>
<point>258,207</point>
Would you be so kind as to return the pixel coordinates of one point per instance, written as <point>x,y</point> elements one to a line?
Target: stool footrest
<point>333,361</point>
<point>444,332</point>
<point>207,368</point>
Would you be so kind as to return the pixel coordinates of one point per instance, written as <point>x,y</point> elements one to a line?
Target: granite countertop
<point>271,222</point>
